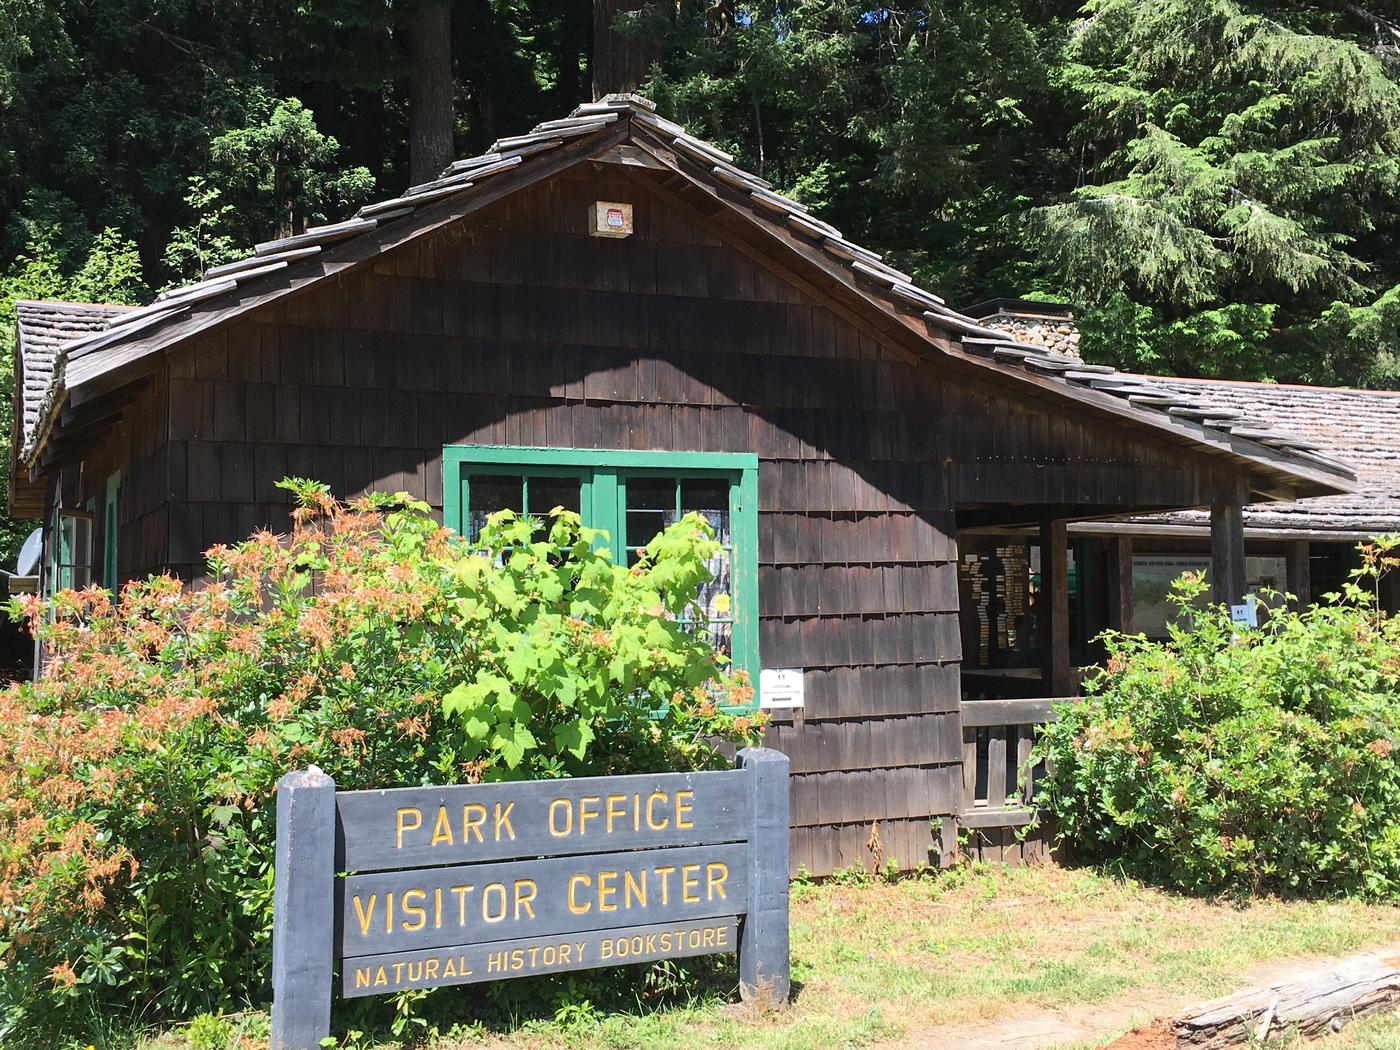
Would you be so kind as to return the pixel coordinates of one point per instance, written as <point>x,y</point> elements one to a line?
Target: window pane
<point>709,496</point>
<point>546,493</point>
<point>488,493</point>
<point>82,545</point>
<point>651,506</point>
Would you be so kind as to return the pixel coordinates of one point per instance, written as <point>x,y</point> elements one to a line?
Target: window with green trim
<point>631,496</point>
<point>72,554</point>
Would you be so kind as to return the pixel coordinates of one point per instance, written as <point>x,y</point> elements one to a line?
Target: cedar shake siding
<point>522,330</point>
<point>878,436</point>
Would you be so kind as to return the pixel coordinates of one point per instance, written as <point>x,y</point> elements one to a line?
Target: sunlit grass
<point>874,961</point>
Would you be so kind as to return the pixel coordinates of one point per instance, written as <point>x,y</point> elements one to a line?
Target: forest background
<point>1213,184</point>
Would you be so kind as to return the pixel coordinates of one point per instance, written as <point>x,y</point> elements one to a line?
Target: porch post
<point>1300,572</point>
<point>1120,584</point>
<point>1227,574</point>
<point>1058,675</point>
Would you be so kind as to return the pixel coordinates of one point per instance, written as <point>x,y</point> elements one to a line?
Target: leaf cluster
<point>137,776</point>
<point>1242,760</point>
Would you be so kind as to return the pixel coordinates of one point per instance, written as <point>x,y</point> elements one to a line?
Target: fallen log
<point>1312,1004</point>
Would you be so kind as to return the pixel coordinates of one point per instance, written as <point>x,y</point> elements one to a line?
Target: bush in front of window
<point>137,776</point>
<point>1239,760</point>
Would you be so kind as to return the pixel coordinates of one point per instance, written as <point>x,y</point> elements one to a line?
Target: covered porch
<point>1034,596</point>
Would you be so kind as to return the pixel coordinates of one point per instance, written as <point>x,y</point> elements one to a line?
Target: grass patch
<point>875,961</point>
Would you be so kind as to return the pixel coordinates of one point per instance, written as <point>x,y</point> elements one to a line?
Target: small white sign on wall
<point>1247,614</point>
<point>781,689</point>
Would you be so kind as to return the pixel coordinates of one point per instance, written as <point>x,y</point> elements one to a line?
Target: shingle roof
<point>324,250</point>
<point>42,327</point>
<point>1361,427</point>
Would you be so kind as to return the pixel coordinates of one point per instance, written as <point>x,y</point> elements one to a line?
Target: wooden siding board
<point>516,328</point>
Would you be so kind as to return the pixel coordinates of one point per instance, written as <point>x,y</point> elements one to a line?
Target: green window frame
<point>603,477</point>
<point>71,564</point>
<point>110,527</point>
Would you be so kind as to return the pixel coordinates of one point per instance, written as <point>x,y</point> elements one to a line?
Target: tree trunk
<point>1310,1005</point>
<point>620,61</point>
<point>430,113</point>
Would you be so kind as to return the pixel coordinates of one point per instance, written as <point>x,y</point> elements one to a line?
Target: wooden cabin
<point>1120,570</point>
<point>608,313</point>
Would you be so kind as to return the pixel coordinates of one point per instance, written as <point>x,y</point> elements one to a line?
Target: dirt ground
<point>1145,1013</point>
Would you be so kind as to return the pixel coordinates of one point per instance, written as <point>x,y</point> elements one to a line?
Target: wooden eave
<point>924,339</point>
<point>1273,474</point>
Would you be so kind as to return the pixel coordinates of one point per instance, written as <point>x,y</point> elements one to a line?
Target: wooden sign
<point>486,882</point>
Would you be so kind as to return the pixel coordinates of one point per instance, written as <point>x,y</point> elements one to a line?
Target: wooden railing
<point>998,786</point>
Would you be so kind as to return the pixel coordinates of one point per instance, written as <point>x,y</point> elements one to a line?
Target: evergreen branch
<point>1381,26</point>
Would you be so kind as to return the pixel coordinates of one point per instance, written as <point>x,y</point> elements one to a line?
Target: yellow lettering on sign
<point>402,818</point>
<point>380,977</point>
<point>420,916</point>
<point>503,821</point>
<point>634,886</point>
<point>558,807</point>
<point>362,977</point>
<point>683,809</point>
<point>493,890</point>
<point>462,892</point>
<point>716,872</point>
<point>473,816</point>
<point>585,814</point>
<point>664,873</point>
<point>607,889</point>
<point>652,822</point>
<point>442,828</point>
<point>690,881</point>
<point>365,915</point>
<point>575,881</point>
<point>437,908</point>
<point>616,809</point>
<point>524,895</point>
<point>430,970</point>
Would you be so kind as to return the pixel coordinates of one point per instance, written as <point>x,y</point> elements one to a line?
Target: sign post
<point>469,883</point>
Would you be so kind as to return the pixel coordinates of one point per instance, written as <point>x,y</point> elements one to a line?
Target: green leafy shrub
<point>137,777</point>
<point>1230,759</point>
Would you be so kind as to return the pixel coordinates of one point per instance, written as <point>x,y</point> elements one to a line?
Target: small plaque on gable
<point>610,219</point>
<point>781,689</point>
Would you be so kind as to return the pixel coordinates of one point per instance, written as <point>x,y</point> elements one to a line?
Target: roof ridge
<point>74,302</point>
<point>1268,384</point>
<point>273,260</point>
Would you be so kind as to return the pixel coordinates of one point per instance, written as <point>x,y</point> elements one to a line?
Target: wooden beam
<point>1120,584</point>
<point>1300,572</point>
<point>1008,712</point>
<point>1227,573</point>
<point>995,817</point>
<point>1054,609</point>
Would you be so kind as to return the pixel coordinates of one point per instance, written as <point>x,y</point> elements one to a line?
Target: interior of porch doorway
<point>1006,608</point>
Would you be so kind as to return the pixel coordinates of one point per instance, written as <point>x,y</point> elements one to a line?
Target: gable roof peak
<point>98,360</point>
